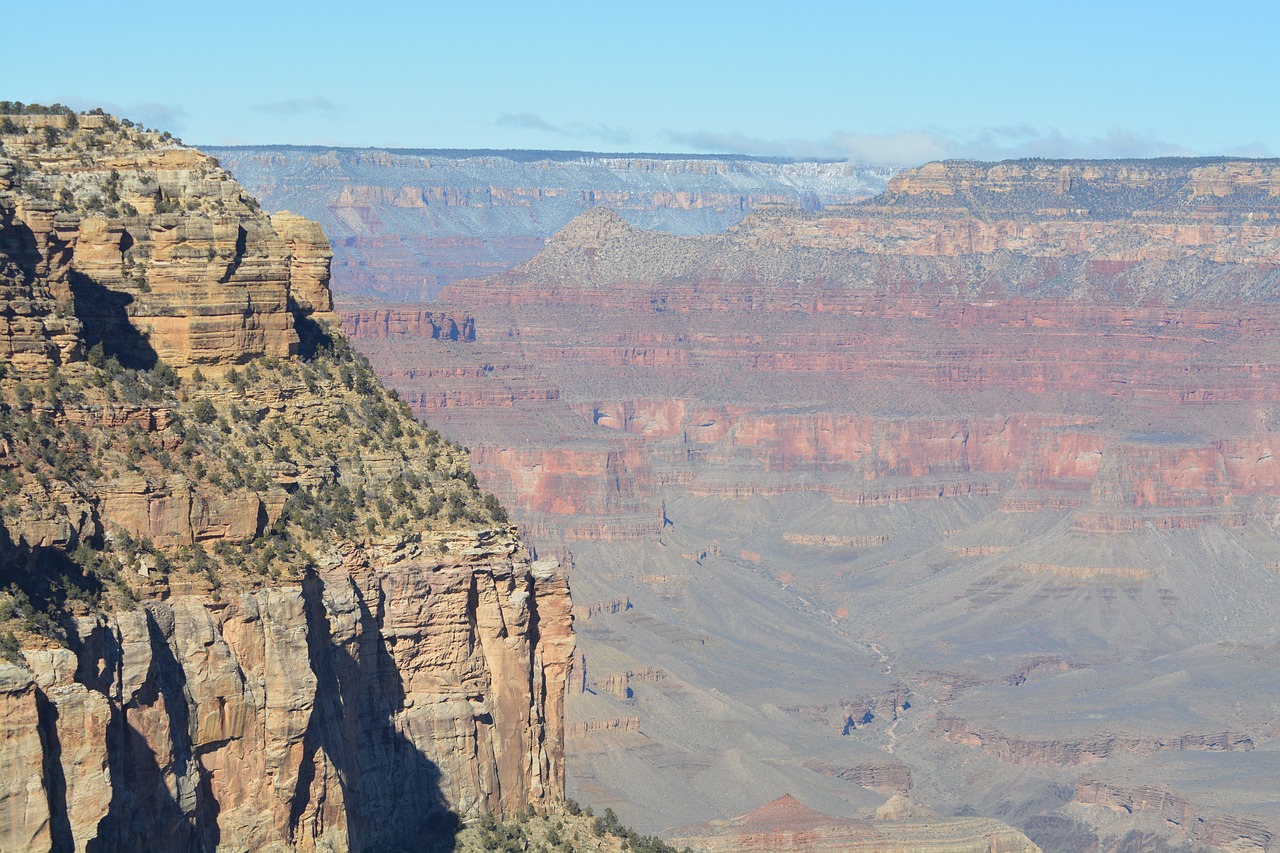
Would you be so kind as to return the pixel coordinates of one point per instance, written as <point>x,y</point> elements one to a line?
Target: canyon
<point>404,222</point>
<point>972,483</point>
<point>246,601</point>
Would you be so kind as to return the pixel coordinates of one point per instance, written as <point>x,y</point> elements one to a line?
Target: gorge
<point>965,490</point>
<point>938,518</point>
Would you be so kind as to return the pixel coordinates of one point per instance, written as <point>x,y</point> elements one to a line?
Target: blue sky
<point>886,82</point>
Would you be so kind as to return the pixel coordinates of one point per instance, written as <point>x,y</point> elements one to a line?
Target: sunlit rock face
<point>248,603</point>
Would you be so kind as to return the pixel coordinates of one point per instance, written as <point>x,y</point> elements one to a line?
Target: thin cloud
<point>916,147</point>
<point>298,106</point>
<point>898,149</point>
<point>578,131</point>
<point>1027,141</point>
<point>890,148</point>
<point>1253,149</point>
<point>526,121</point>
<point>603,132</point>
<point>719,142</point>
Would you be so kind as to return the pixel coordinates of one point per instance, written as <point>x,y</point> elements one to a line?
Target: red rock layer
<point>1111,411</point>
<point>981,329</point>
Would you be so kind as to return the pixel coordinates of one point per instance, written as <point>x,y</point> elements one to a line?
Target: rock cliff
<point>248,602</point>
<point>1082,287</point>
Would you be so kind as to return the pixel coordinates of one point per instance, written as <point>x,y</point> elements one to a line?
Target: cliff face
<point>1072,286</point>
<point>248,602</point>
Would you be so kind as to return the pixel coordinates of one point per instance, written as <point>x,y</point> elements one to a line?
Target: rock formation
<point>1003,436</point>
<point>786,824</point>
<point>248,602</point>
<point>405,223</point>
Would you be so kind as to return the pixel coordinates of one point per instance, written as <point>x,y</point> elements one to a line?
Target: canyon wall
<point>999,443</point>
<point>406,223</point>
<point>771,347</point>
<point>248,603</point>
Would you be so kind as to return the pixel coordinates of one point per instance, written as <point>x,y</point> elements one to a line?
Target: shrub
<point>10,650</point>
<point>495,509</point>
<point>204,412</point>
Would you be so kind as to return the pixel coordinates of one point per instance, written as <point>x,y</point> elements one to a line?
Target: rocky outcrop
<point>1078,751</point>
<point>616,725</point>
<point>254,608</point>
<point>1219,832</point>
<point>164,256</point>
<point>363,705</point>
<point>888,779</point>
<point>787,824</point>
<point>34,333</point>
<point>394,322</point>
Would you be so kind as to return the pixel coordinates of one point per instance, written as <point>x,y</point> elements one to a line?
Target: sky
<point>897,83</point>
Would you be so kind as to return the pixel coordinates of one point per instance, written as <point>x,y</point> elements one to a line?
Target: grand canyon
<point>940,518</point>
<point>248,602</point>
<point>965,492</point>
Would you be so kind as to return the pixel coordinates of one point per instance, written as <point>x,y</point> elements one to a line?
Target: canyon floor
<point>981,611</point>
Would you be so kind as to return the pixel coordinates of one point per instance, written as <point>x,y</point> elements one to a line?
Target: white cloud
<point>298,106</point>
<point>915,147</point>
<point>576,131</point>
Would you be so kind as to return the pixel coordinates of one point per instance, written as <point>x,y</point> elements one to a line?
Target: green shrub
<point>10,649</point>
<point>204,412</point>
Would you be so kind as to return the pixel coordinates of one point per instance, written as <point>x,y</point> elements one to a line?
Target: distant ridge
<point>533,155</point>
<point>407,222</point>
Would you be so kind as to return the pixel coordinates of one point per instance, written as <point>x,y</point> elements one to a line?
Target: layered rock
<point>406,223</point>
<point>34,334</point>
<point>1014,750</point>
<point>1025,303</point>
<point>787,824</point>
<point>255,609</point>
<point>164,255</point>
<point>1005,433</point>
<point>361,706</point>
<point>1216,832</point>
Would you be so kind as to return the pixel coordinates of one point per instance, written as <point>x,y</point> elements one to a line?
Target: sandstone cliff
<point>249,603</point>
